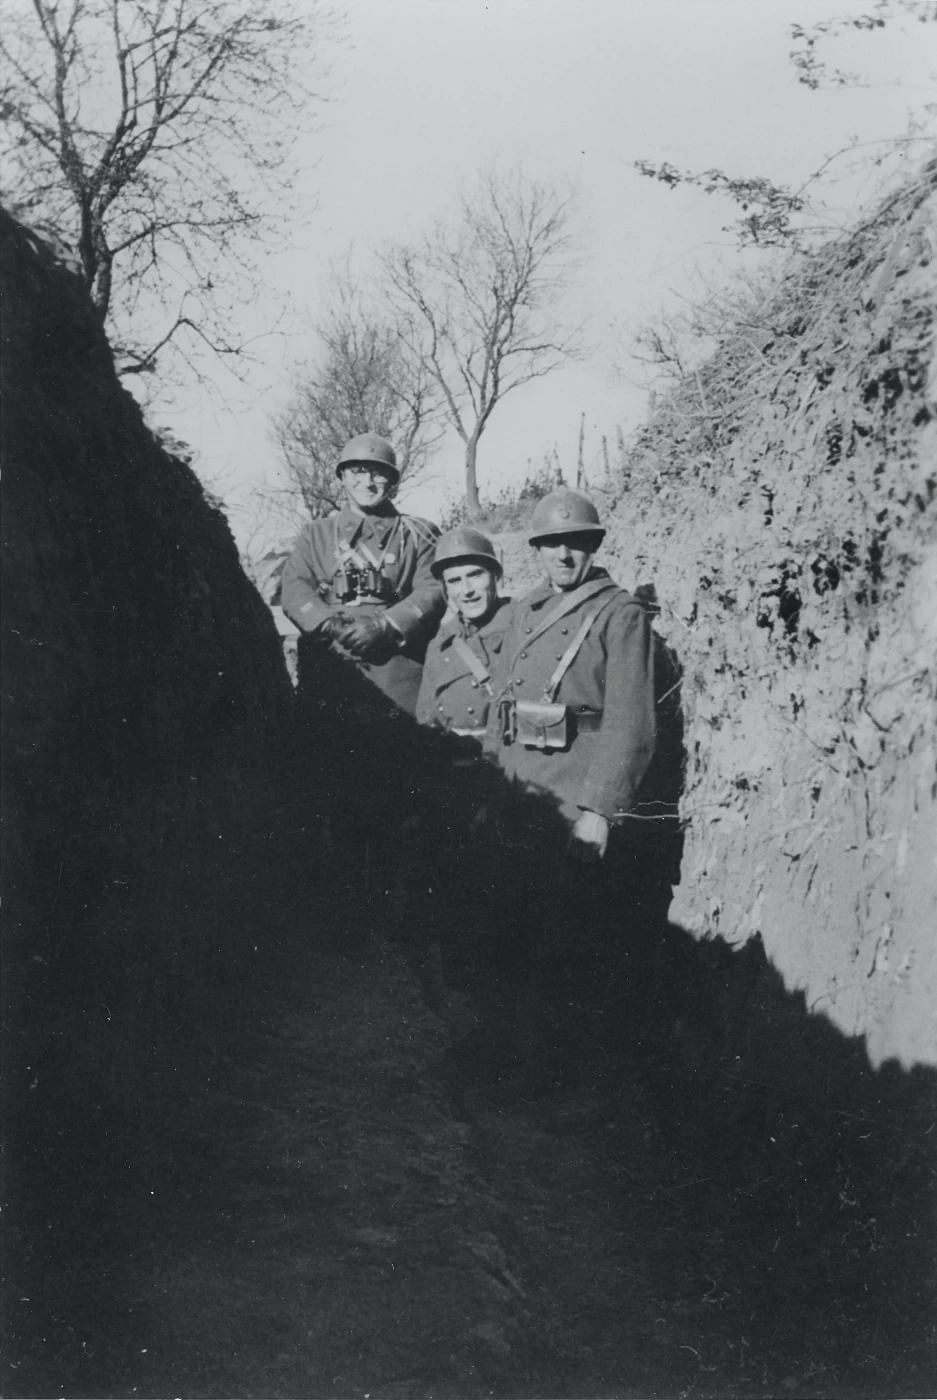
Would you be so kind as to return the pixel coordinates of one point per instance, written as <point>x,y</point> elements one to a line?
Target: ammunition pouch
<point>537,724</point>
<point>540,724</point>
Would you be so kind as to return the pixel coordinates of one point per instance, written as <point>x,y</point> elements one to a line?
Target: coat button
<point>559,656</point>
<point>440,708</point>
<point>565,631</point>
<point>474,685</point>
<point>523,656</point>
<point>528,630</point>
<point>469,710</point>
<point>519,680</point>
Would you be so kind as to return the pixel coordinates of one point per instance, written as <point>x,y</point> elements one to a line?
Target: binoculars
<point>351,583</point>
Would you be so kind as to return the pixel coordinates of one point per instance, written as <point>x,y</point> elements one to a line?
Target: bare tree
<point>814,73</point>
<point>478,299</point>
<point>149,135</point>
<point>361,381</point>
<point>269,521</point>
<point>774,215</point>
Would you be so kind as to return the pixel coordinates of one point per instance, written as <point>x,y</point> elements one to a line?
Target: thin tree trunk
<point>101,287</point>
<point>473,505</point>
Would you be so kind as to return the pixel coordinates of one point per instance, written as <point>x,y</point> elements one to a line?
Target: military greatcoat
<point>452,696</point>
<point>609,689</point>
<point>412,599</point>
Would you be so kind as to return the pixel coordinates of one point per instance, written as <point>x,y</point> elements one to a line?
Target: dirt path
<point>344,1221</point>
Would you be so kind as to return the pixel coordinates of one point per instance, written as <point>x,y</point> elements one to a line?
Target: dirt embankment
<point>147,687</point>
<point>144,701</point>
<point>783,503</point>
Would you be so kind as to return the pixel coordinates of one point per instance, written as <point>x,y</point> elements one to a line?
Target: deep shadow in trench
<point>806,1177</point>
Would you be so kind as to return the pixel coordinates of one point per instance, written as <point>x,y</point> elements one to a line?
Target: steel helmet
<point>564,512</point>
<point>369,447</point>
<point>464,542</point>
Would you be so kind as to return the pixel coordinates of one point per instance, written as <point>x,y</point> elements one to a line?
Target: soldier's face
<point>472,590</point>
<point>566,559</point>
<point>366,484</point>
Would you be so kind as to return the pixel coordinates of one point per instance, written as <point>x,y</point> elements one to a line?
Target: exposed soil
<point>334,1213</point>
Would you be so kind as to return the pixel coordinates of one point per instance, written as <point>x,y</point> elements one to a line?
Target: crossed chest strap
<point>475,664</point>
<point>570,602</point>
<point>359,573</point>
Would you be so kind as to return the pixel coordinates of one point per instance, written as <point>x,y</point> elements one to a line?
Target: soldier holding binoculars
<point>360,580</point>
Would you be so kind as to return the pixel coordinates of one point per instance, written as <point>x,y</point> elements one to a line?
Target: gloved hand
<point>370,637</point>
<point>589,838</point>
<point>330,630</point>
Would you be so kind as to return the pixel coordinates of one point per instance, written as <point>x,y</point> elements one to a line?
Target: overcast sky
<point>425,91</point>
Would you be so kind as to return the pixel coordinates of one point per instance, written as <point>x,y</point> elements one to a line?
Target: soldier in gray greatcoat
<point>463,658</point>
<point>461,673</point>
<point>576,716</point>
<point>360,581</point>
<point>573,732</point>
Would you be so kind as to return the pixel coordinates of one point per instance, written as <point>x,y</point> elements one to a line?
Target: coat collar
<point>451,629</point>
<point>351,523</point>
<point>543,593</point>
<point>347,515</point>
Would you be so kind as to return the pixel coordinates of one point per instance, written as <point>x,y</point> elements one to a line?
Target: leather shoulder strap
<point>572,651</point>
<point>570,602</point>
<point>342,551</point>
<point>420,531</point>
<point>375,561</point>
<point>475,664</point>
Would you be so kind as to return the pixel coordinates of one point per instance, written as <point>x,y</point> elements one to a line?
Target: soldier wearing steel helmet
<point>360,580</point>
<point>445,855</point>
<point>573,732</point>
<point>576,712</point>
<point>463,659</point>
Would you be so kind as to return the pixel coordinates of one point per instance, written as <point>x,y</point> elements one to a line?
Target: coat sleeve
<point>626,740</point>
<point>426,700</point>
<point>419,614</point>
<point>299,592</point>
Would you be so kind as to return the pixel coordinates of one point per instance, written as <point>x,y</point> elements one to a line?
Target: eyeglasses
<point>375,473</point>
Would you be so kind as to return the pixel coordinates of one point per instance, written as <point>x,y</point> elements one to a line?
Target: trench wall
<point>783,503</point>
<point>144,701</point>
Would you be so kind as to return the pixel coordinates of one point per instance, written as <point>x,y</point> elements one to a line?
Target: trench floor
<point>341,1216</point>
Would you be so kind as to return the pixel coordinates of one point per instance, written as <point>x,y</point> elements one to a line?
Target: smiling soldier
<point>462,658</point>
<point>576,714</point>
<point>459,679</point>
<point>574,724</point>
<point>360,580</point>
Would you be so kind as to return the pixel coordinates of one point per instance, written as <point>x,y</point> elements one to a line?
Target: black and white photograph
<point>469,807</point>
